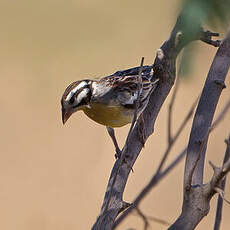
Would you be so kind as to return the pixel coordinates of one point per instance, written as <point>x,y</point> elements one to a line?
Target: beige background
<point>54,177</point>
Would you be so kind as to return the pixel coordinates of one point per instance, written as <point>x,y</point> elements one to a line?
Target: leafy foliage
<point>195,13</point>
<point>212,12</point>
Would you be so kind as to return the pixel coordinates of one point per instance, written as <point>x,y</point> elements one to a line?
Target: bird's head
<point>76,96</point>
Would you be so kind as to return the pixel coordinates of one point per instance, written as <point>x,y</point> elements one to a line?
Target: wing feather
<point>125,89</point>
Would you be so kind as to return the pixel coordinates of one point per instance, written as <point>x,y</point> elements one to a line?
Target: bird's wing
<point>125,89</point>
<point>146,71</point>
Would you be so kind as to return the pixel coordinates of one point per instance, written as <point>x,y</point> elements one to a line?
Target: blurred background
<point>53,177</point>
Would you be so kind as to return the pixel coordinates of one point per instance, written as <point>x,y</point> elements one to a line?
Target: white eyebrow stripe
<point>74,90</point>
<point>81,95</point>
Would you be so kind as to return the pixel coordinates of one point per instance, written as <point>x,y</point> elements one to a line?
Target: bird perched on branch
<point>111,100</point>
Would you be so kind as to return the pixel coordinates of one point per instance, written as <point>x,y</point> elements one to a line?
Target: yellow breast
<point>112,116</point>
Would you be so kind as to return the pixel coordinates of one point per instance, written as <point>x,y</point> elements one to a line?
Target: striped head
<point>76,96</point>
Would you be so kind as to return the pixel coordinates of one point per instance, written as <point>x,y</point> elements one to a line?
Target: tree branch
<point>222,187</point>
<point>164,68</point>
<point>144,218</point>
<point>197,195</point>
<point>221,115</point>
<point>159,174</point>
<point>170,110</point>
<point>205,111</point>
<point>219,173</point>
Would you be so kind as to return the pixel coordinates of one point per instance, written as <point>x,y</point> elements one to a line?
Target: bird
<point>111,100</point>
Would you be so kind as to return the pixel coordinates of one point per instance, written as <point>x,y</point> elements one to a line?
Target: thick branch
<point>196,195</point>
<point>205,112</point>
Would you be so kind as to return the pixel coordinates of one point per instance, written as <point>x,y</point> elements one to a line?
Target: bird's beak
<point>65,115</point>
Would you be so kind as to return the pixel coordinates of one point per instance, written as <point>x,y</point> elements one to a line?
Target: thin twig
<point>177,159</point>
<point>219,118</point>
<point>139,87</point>
<point>146,219</point>
<point>143,217</point>
<point>174,138</point>
<point>221,194</point>
<point>170,108</point>
<point>160,221</point>
<point>172,101</point>
<point>207,38</point>
<point>220,190</point>
<point>221,115</point>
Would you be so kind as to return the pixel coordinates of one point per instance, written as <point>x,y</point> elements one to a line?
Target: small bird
<point>111,100</point>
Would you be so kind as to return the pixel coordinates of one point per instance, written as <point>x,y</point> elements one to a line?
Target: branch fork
<point>165,68</point>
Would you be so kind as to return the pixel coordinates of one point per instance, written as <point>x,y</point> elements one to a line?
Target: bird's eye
<point>71,101</point>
